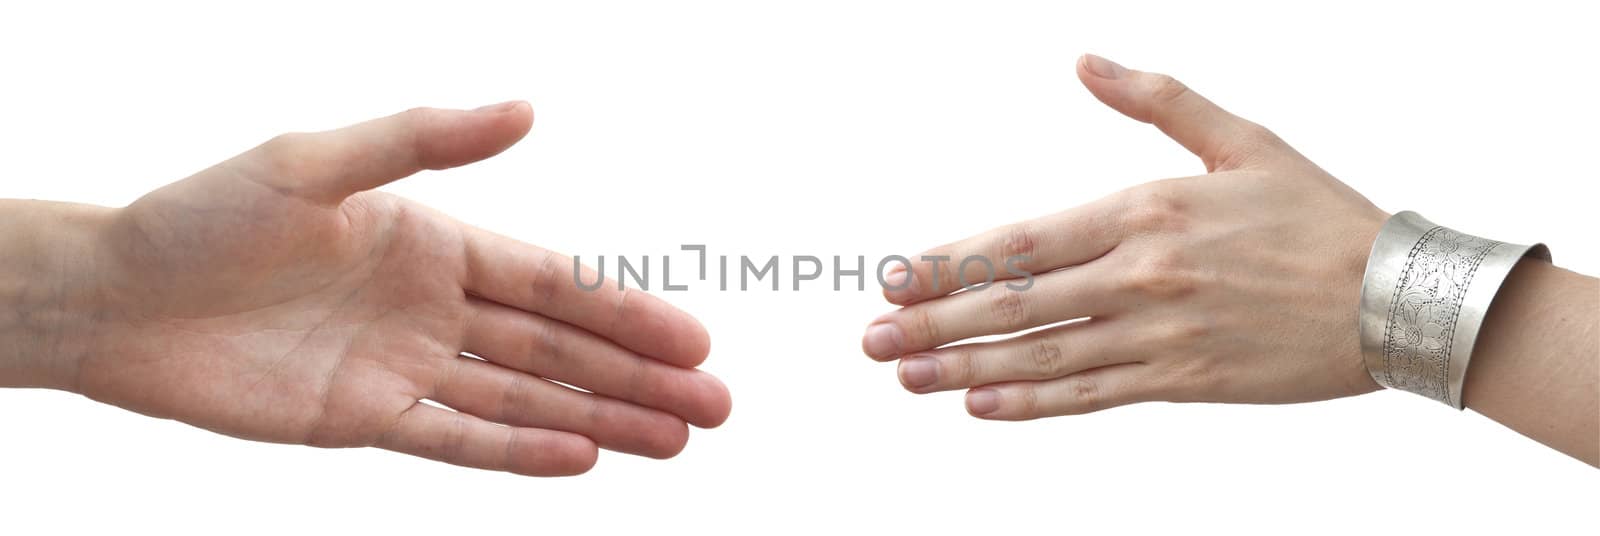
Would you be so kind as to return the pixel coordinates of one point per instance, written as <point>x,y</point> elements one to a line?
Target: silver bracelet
<point>1423,298</point>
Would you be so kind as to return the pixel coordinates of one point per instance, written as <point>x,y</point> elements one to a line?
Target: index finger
<point>1066,238</point>
<point>543,282</point>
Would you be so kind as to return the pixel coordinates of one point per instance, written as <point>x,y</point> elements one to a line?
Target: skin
<point>274,297</point>
<point>1240,285</point>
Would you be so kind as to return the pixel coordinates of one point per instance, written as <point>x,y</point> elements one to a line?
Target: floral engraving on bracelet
<point>1426,305</point>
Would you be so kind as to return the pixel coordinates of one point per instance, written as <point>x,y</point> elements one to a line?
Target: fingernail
<point>898,282</point>
<point>501,107</point>
<point>882,340</point>
<point>919,371</point>
<point>1102,67</point>
<point>896,277</point>
<point>982,402</point>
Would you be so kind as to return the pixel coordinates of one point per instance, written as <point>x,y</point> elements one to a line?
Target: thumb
<point>326,167</point>
<point>1222,140</point>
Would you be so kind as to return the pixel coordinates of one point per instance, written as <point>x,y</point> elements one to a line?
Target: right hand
<point>1240,285</point>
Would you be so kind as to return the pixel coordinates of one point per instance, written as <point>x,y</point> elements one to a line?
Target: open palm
<point>273,297</point>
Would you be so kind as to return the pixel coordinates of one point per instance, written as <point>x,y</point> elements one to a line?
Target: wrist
<point>1424,297</point>
<point>47,299</point>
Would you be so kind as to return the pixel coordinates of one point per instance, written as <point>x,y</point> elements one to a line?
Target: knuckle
<point>513,439</point>
<point>1192,378</point>
<point>324,436</point>
<point>1045,357</point>
<point>514,401</point>
<point>285,143</point>
<point>1020,241</point>
<point>1154,208</point>
<point>545,343</point>
<point>546,281</point>
<point>945,278</point>
<point>412,124</point>
<point>1202,368</point>
<point>1008,307</point>
<point>453,442</point>
<point>923,327</point>
<point>964,367</point>
<point>1255,134</point>
<point>286,154</point>
<point>619,312</point>
<point>1165,89</point>
<point>1248,144</point>
<point>414,117</point>
<point>1163,283</point>
<point>1085,395</point>
<point>1186,331</point>
<point>596,411</point>
<point>1160,275</point>
<point>1028,403</point>
<point>640,380</point>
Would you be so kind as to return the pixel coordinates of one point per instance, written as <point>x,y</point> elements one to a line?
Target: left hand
<point>276,297</point>
<point>1240,285</point>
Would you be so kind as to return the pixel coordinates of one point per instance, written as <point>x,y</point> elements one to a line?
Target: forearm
<point>46,312</point>
<point>1536,368</point>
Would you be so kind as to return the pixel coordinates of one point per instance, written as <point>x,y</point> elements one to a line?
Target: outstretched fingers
<point>1036,246</point>
<point>1041,355</point>
<point>518,399</point>
<point>546,283</point>
<point>462,439</point>
<point>556,350</point>
<point>1075,394</point>
<point>1077,292</point>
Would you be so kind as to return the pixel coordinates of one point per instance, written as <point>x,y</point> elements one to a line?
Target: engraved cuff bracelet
<point>1423,298</point>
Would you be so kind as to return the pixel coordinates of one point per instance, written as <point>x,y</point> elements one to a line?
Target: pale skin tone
<point>275,297</point>
<point>1240,285</point>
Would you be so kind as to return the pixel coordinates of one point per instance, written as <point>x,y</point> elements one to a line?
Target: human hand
<point>1240,285</point>
<point>274,297</point>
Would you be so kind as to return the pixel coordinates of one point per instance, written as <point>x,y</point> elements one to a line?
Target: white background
<point>820,128</point>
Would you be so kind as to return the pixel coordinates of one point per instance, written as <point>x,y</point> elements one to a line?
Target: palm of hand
<point>261,329</point>
<point>260,299</point>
